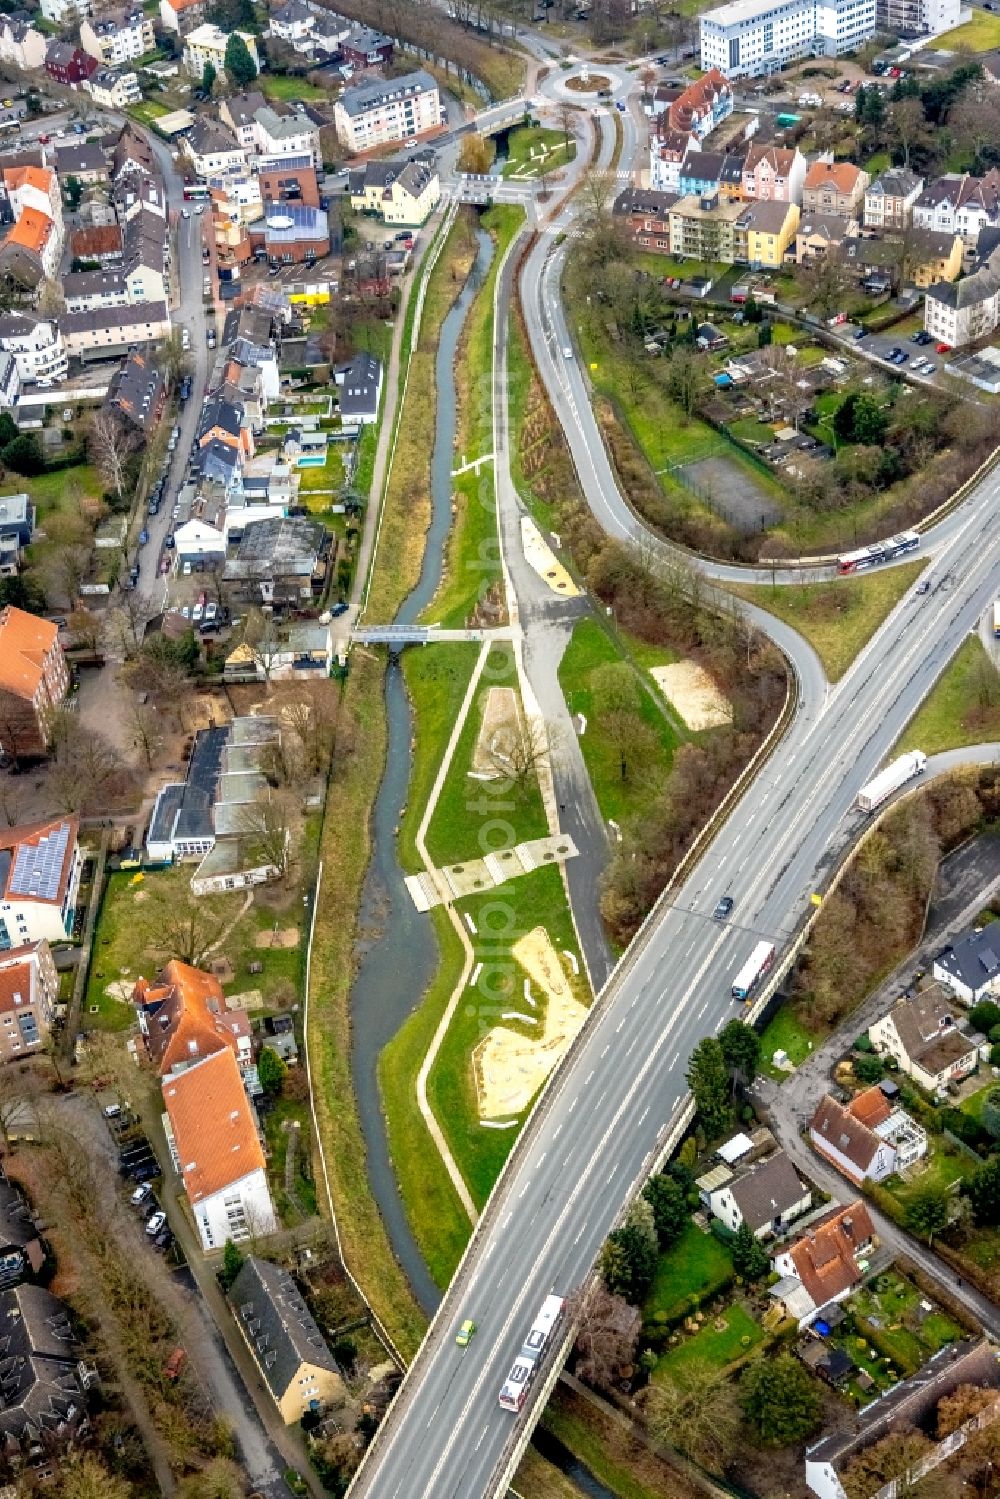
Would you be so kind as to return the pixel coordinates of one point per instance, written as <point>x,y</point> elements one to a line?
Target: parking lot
<point>917,348</point>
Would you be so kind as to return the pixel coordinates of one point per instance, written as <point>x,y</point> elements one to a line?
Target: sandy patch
<point>284,937</point>
<point>540,556</point>
<point>121,990</point>
<point>250,999</point>
<point>497,733</point>
<point>510,1068</point>
<point>693,693</point>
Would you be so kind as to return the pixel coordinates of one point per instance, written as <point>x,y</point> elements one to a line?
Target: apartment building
<point>40,868</point>
<point>29,990</point>
<point>113,330</point>
<point>34,680</point>
<point>890,199</point>
<point>20,43</point>
<point>182,16</point>
<point>908,18</point>
<point>381,111</point>
<point>119,37</point>
<point>115,88</point>
<point>37,347</point>
<point>959,203</point>
<point>284,1340</point>
<point>207,43</point>
<point>834,189</point>
<point>748,38</point>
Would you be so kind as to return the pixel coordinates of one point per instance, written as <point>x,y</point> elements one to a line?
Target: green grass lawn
<point>125,947</point>
<point>893,1305</point>
<point>955,713</point>
<point>941,1167</point>
<point>839,617</point>
<point>437,677</point>
<point>618,798</point>
<point>288,90</point>
<point>973,1105</point>
<point>300,1203</point>
<point>694,1268</point>
<point>549,148</point>
<point>718,1347</point>
<point>787,1033</point>
<point>980,34</point>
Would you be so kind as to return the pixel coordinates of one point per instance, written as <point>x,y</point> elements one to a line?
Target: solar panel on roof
<point>988,958</point>
<point>38,866</point>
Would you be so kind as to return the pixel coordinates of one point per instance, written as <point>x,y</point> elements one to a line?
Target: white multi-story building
<point>386,110</point>
<point>114,88</point>
<point>21,44</point>
<point>749,37</point>
<point>286,135</point>
<point>36,345</point>
<point>207,43</point>
<point>64,12</point>
<point>215,1146</point>
<point>119,38</point>
<point>960,204</point>
<point>40,868</point>
<point>918,17</point>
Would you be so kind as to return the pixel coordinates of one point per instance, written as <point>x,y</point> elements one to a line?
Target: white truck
<point>889,780</point>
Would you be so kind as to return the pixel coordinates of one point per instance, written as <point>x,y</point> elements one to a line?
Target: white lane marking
<point>606,1050</point>
<point>644,1113</point>
<point>674,1060</point>
<point>619,1025</point>
<point>481,1436</point>
<point>702,1010</point>
<point>590,1075</point>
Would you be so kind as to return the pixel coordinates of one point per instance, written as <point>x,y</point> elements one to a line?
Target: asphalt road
<point>596,1130</point>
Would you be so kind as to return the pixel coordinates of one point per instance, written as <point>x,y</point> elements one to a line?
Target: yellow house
<point>399,192</point>
<point>770,229</point>
<point>290,1351</point>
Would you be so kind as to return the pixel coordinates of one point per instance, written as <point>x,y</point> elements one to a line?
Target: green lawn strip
<point>437,677</point>
<point>694,1268</point>
<point>980,34</point>
<point>590,647</point>
<point>472,817</point>
<point>942,1167</point>
<point>549,146</point>
<point>643,653</point>
<point>953,714</point>
<point>437,1219</point>
<point>502,916</point>
<point>278,1122</point>
<point>838,617</point>
<point>346,847</point>
<point>973,1105</point>
<point>290,90</point>
<point>786,1033</point>
<point>472,564</point>
<point>711,1346</point>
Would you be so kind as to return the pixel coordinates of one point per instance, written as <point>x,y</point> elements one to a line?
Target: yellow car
<point>466,1333</point>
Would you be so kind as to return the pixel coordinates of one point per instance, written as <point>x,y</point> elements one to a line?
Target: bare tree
<point>112,444</point>
<point>172,357</point>
<point>699,1416</point>
<point>517,752</point>
<point>84,763</point>
<point>49,300</point>
<point>11,796</point>
<point>126,623</point>
<point>265,824</point>
<point>144,724</point>
<point>260,633</point>
<point>608,1332</point>
<point>685,379</point>
<point>85,628</point>
<point>65,570</point>
<point>907,126</point>
<point>184,925</point>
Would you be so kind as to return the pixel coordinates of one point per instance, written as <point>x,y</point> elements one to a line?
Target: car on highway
<point>723,908</point>
<point>465,1333</point>
<point>567,352</point>
<point>924,586</point>
<point>155,1223</point>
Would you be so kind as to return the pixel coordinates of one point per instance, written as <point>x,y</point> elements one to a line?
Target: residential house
<point>34,680</point>
<point>284,1341</point>
<point>115,88</point>
<point>923,1036</point>
<point>774,174</point>
<point>667,151</point>
<point>910,1403</point>
<point>215,1145</point>
<point>959,203</point>
<point>69,65</point>
<point>17,522</point>
<point>137,393</point>
<point>21,44</point>
<point>42,1401</point>
<point>29,990</point>
<point>702,106</point>
<point>184,1018</point>
<point>279,563</point>
<point>118,37</point>
<point>133,154</point>
<point>701,174</point>
<point>286,135</point>
<point>294,23</point>
<point>365,48</point>
<point>83,160</point>
<point>990,64</point>
<point>294,181</point>
<point>867,1139</point>
<point>645,218</point>
<point>834,188</point>
<point>824,1265</point>
<point>40,868</point>
<point>31,250</point>
<point>65,12</point>
<point>22,1252</point>
<point>112,330</point>
<point>33,187</point>
<point>919,258</point>
<point>103,244</point>
<point>767,1197</point>
<point>207,44</point>
<point>969,967</point>
<point>36,346</point>
<point>400,192</point>
<point>239,114</point>
<point>359,381</point>
<point>890,199</point>
<point>212,151</point>
<point>182,15</point>
<point>770,231</point>
<point>268,492</point>
<point>819,235</point>
<point>381,111</point>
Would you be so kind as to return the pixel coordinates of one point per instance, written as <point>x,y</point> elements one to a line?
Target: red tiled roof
<point>824,1258</point>
<point>25,641</point>
<point>192,1021</point>
<point>213,1127</point>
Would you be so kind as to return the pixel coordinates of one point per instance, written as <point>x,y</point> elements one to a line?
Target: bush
<point>864,1043</point>
<point>869,1069</point>
<point>985,1015</point>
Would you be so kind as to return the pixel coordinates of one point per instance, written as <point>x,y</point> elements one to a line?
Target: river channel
<point>396,947</point>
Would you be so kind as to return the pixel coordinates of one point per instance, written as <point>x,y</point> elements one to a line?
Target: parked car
<point>942,348</point>
<point>139,1196</point>
<point>143,537</point>
<point>164,1238</point>
<point>339,609</point>
<point>186,569</point>
<point>211,613</point>
<point>168,541</point>
<point>156,1223</point>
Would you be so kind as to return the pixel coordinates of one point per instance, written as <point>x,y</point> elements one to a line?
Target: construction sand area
<point>693,693</point>
<point>508,1067</point>
<point>284,937</point>
<point>498,733</point>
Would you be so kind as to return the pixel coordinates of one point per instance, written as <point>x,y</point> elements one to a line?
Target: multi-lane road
<point>591,1140</point>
